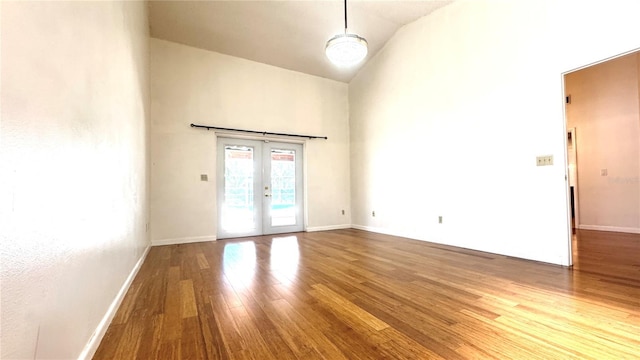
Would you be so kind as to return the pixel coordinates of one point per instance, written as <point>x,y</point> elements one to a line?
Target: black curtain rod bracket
<point>264,133</point>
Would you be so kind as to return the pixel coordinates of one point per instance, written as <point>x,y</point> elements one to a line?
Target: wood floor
<point>350,294</point>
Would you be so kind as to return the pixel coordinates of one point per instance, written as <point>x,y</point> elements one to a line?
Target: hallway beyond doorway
<point>607,253</point>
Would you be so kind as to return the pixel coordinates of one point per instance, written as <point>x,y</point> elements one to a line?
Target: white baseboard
<point>184,240</point>
<point>629,230</point>
<point>435,239</point>
<point>329,227</point>
<point>371,228</point>
<point>387,232</point>
<point>92,346</point>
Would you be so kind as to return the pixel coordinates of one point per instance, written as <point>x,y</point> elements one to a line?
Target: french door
<point>259,188</point>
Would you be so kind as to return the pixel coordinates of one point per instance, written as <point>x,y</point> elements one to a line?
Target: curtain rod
<point>258,132</point>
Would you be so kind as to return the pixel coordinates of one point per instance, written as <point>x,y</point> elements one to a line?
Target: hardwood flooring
<point>350,294</point>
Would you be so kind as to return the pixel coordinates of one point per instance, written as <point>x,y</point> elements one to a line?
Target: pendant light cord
<point>345,16</point>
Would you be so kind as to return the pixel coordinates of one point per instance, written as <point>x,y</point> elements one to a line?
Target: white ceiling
<point>287,34</point>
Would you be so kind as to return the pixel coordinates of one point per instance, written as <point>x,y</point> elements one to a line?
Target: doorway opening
<point>259,187</point>
<point>602,135</point>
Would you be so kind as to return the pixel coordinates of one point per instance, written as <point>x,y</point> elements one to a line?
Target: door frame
<point>232,135</point>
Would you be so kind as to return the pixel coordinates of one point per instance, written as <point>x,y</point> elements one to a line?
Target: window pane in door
<point>238,205</point>
<point>283,187</point>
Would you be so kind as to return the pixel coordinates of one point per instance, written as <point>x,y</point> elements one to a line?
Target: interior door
<point>259,188</point>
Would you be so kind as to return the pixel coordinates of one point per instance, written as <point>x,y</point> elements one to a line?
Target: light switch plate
<point>544,160</point>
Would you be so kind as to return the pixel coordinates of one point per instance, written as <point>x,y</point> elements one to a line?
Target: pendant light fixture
<point>346,50</point>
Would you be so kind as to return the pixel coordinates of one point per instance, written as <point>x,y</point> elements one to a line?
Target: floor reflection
<point>285,256</point>
<point>239,263</point>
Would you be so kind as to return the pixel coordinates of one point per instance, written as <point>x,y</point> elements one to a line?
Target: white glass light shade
<point>346,49</point>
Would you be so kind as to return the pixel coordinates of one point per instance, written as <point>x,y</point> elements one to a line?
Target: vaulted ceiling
<point>287,34</point>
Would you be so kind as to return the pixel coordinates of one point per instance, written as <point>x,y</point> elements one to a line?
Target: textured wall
<point>73,160</point>
<point>190,85</point>
<point>447,120</point>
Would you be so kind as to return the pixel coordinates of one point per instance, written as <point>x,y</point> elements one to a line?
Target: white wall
<point>605,111</point>
<point>73,160</point>
<point>190,85</point>
<point>448,118</point>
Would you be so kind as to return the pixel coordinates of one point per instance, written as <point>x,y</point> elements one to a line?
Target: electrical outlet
<point>204,177</point>
<point>440,219</point>
<point>544,160</point>
<point>373,213</point>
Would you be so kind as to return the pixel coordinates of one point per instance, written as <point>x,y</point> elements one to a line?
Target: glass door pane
<point>283,187</point>
<point>238,189</point>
